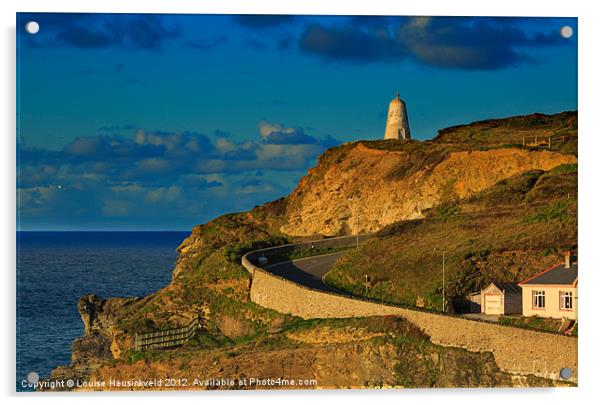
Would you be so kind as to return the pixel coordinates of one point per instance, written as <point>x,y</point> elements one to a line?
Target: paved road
<point>307,271</point>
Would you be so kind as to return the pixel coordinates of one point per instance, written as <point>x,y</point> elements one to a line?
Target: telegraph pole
<point>357,227</point>
<point>443,282</point>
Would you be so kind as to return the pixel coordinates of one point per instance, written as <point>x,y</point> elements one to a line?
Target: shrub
<point>554,211</point>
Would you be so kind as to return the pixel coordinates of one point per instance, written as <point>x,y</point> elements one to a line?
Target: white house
<point>553,292</point>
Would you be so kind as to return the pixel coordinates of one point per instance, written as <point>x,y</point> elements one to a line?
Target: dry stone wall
<point>517,351</point>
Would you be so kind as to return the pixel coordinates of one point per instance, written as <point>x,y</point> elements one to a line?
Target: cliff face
<point>361,192</point>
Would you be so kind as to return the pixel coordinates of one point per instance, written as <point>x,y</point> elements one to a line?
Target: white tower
<point>397,120</point>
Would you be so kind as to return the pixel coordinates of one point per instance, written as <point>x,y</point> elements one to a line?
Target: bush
<point>446,210</point>
<point>134,356</point>
<point>554,211</point>
<point>236,251</point>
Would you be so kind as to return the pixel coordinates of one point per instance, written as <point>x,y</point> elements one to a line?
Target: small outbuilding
<point>501,299</point>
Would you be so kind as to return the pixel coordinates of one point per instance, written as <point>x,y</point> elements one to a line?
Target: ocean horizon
<point>56,268</point>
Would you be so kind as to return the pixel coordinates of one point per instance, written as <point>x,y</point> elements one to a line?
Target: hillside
<point>508,232</point>
<point>499,209</point>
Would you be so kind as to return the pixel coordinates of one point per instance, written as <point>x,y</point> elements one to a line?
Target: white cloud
<point>266,128</point>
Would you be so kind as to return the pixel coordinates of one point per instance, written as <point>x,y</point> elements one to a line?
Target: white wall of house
<point>553,303</point>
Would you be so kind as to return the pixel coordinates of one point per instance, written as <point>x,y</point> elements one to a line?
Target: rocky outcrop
<point>91,309</point>
<point>101,341</point>
<point>99,315</point>
<point>359,194</point>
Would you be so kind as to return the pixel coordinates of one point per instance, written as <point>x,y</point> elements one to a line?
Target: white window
<point>566,300</point>
<point>539,299</point>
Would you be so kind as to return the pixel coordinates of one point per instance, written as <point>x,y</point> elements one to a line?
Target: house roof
<point>506,288</point>
<point>557,274</point>
<point>510,288</point>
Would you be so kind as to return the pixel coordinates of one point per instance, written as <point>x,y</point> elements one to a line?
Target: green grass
<point>554,211</point>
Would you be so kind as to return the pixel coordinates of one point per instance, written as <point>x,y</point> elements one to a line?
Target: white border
<point>590,68</point>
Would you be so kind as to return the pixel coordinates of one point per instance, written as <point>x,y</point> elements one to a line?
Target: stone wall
<point>517,351</point>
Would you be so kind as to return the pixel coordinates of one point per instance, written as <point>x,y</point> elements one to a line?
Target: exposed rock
<point>91,348</point>
<point>99,343</point>
<point>356,195</point>
<point>98,315</point>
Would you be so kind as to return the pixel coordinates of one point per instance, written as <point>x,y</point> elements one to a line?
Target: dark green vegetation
<point>536,323</point>
<point>507,233</point>
<point>532,322</point>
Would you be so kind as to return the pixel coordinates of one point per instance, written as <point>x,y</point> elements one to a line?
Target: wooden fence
<point>543,141</point>
<point>165,338</point>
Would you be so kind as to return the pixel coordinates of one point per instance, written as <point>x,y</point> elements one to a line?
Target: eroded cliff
<point>362,192</point>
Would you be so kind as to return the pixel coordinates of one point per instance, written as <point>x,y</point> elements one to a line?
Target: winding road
<point>308,271</point>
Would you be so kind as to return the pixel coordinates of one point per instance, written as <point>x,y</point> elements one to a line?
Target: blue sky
<point>166,121</point>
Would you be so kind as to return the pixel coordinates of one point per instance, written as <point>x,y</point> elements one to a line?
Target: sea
<point>55,269</point>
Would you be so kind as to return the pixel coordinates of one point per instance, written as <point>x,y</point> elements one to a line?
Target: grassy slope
<point>506,233</point>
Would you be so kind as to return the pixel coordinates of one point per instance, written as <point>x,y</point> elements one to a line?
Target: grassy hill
<point>506,233</point>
